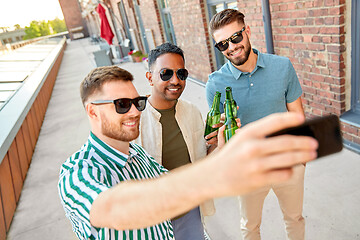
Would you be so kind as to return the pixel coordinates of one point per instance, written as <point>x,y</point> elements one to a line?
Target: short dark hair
<point>94,81</point>
<point>163,49</point>
<point>224,18</point>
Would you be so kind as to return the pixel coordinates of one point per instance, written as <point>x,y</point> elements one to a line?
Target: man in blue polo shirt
<point>262,84</point>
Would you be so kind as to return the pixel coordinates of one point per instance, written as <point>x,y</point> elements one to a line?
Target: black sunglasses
<point>166,74</point>
<point>123,105</point>
<point>235,38</point>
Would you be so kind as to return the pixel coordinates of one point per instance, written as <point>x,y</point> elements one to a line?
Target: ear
<point>91,111</point>
<point>149,77</point>
<point>248,31</point>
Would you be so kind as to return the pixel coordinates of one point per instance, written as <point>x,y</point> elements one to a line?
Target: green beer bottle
<point>230,122</point>
<point>228,92</point>
<point>213,116</point>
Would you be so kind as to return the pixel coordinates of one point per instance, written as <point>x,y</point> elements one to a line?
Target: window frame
<point>355,56</point>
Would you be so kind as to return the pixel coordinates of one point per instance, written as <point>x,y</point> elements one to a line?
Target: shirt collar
<point>259,63</point>
<point>109,152</point>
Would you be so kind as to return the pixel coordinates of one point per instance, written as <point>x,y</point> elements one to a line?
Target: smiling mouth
<point>174,89</point>
<point>130,124</point>
<point>236,52</point>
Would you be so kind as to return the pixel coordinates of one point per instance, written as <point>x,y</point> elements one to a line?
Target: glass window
<point>215,7</point>
<point>167,22</point>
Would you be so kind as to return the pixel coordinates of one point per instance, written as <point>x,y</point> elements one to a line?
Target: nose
<point>232,46</point>
<point>174,79</point>
<point>133,112</point>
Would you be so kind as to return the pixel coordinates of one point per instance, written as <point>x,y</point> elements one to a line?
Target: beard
<point>240,60</point>
<point>115,130</point>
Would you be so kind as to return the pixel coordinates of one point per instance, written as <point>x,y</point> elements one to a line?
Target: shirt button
<point>251,84</point>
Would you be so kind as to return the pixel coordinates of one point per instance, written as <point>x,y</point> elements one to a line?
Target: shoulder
<point>145,156</point>
<point>223,71</point>
<point>187,106</point>
<point>78,161</point>
<point>276,62</point>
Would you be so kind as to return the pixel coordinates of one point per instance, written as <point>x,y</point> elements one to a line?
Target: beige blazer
<point>192,127</point>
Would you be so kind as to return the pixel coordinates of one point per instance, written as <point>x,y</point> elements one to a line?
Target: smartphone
<point>326,130</point>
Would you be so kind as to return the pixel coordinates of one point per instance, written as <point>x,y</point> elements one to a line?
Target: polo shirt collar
<point>259,63</point>
<point>109,152</point>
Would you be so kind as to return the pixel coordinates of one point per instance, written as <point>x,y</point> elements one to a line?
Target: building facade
<point>320,37</point>
<point>13,36</point>
<point>74,20</point>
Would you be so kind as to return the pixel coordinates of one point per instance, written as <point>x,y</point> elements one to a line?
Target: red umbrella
<point>105,29</point>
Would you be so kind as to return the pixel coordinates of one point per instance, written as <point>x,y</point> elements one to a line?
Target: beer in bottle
<point>228,92</point>
<point>213,116</point>
<point>230,122</point>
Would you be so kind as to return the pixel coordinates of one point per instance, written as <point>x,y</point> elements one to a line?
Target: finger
<point>221,138</point>
<point>213,140</point>
<point>285,143</point>
<point>238,122</point>
<point>211,135</point>
<point>271,124</point>
<point>275,176</point>
<point>217,125</point>
<point>284,160</point>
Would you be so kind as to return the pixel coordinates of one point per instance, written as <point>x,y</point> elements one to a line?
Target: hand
<point>221,137</point>
<point>250,160</point>
<point>212,137</point>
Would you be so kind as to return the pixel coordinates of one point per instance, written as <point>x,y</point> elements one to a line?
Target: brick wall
<point>72,16</point>
<point>152,20</point>
<point>189,20</point>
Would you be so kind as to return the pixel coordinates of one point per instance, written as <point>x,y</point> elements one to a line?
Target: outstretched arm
<point>247,162</point>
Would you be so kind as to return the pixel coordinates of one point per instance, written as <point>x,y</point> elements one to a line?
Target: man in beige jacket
<point>172,130</point>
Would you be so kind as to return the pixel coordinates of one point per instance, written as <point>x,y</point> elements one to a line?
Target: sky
<point>22,12</point>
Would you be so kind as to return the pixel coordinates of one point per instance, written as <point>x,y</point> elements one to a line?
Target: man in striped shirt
<point>108,188</point>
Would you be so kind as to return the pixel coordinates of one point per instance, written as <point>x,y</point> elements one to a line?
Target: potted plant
<point>137,56</point>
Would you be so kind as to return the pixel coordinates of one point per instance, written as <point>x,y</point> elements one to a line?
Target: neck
<point>117,144</point>
<point>250,64</point>
<point>160,103</point>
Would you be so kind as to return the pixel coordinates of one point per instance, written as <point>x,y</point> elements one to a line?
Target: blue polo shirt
<point>264,91</point>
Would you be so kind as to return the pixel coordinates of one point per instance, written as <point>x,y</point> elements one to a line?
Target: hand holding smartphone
<point>326,130</point>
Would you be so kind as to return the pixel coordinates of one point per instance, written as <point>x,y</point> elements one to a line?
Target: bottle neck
<point>228,95</point>
<point>228,110</point>
<point>216,103</point>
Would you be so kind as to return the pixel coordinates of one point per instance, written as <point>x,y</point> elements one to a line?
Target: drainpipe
<point>267,26</point>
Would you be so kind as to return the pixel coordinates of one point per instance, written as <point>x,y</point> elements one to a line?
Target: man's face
<point>172,89</point>
<point>122,127</point>
<point>237,53</point>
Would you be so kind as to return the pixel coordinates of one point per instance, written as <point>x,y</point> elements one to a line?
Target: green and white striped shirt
<point>95,168</point>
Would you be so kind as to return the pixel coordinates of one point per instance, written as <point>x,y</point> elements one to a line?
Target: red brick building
<point>321,38</point>
<point>74,22</point>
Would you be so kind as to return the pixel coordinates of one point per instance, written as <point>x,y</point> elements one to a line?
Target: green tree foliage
<point>17,26</point>
<point>58,25</point>
<point>43,28</point>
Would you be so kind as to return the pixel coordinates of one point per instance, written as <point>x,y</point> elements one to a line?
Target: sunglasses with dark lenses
<point>235,38</point>
<point>123,105</point>
<point>166,74</point>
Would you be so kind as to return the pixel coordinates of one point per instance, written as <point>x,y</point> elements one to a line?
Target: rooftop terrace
<point>331,197</point>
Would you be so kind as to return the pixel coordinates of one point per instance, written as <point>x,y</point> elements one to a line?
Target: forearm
<point>137,204</point>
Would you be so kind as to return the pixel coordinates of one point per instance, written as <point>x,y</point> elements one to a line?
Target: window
<point>355,57</point>
<point>214,7</point>
<point>353,115</point>
<point>166,19</point>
